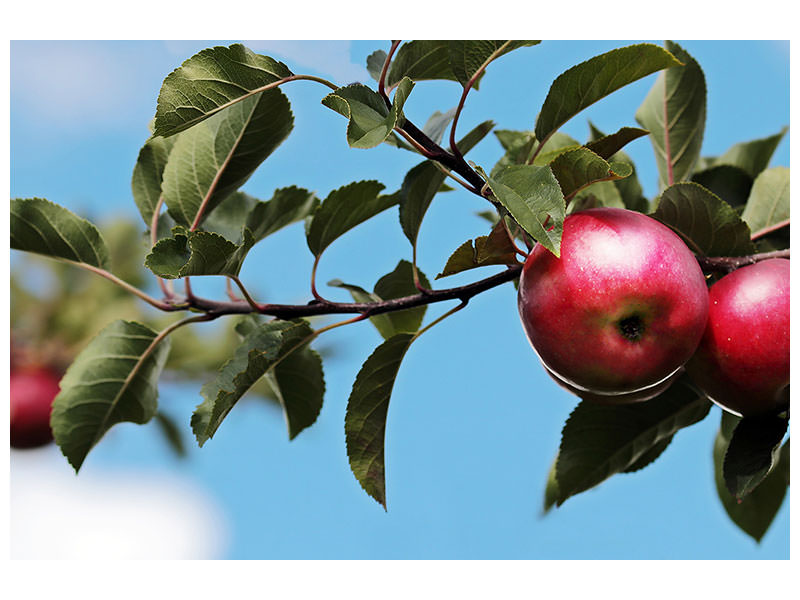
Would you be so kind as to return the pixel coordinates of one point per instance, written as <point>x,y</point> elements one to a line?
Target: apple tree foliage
<point>222,113</point>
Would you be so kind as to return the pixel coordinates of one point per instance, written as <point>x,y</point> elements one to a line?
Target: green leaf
<point>148,173</point>
<point>754,513</point>
<point>675,113</point>
<point>421,59</point>
<point>752,157</point>
<point>752,453</point>
<point>437,124</point>
<point>533,197</point>
<point>43,227</point>
<point>768,204</point>
<point>112,380</point>
<point>187,254</point>
<point>397,284</point>
<point>492,249</point>
<point>287,206</point>
<point>650,456</point>
<point>367,407</point>
<point>262,349</point>
<point>343,209</point>
<point>709,225</point>
<point>298,383</point>
<point>208,82</point>
<point>375,62</point>
<point>519,147</point>
<point>213,159</point>
<point>576,169</point>
<point>598,441</point>
<point>424,181</point>
<point>608,145</point>
<point>730,183</point>
<point>602,193</point>
<point>171,433</point>
<point>596,78</point>
<point>467,56</point>
<point>370,122</point>
<point>629,189</point>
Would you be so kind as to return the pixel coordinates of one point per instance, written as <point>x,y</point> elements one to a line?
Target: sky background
<point>474,422</point>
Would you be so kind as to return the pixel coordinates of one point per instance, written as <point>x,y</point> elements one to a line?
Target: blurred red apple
<point>32,391</point>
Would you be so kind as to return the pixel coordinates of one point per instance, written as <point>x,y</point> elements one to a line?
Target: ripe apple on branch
<point>613,286</point>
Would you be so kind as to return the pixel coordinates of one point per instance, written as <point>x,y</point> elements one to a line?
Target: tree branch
<point>726,264</point>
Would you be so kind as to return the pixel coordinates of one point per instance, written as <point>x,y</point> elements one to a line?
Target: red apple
<point>621,310</point>
<point>32,392</point>
<point>742,362</point>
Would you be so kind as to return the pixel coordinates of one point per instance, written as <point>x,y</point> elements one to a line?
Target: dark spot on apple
<point>631,328</point>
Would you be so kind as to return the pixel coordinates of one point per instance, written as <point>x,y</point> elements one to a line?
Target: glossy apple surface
<point>32,391</point>
<point>742,362</point>
<point>621,310</point>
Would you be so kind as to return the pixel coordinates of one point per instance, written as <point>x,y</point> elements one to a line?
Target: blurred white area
<point>119,514</point>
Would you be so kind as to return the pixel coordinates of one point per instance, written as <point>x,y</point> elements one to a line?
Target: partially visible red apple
<point>32,390</point>
<point>742,362</point>
<point>621,310</point>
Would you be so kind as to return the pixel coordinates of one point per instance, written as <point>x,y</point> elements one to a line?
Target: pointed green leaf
<point>752,157</point>
<point>187,254</point>
<point>113,380</point>
<point>630,192</point>
<point>730,183</point>
<point>375,62</point>
<point>343,209</point>
<point>533,197</point>
<point>598,441</point>
<point>148,173</point>
<point>708,225</point>
<point>650,456</point>
<point>596,78</point>
<point>367,407</point>
<point>675,113</point>
<point>262,349</point>
<point>421,59</point>
<point>768,204</point>
<point>754,513</point>
<point>172,434</point>
<point>40,226</point>
<point>231,215</point>
<point>551,488</point>
<point>369,120</point>
<point>397,284</point>
<point>608,145</point>
<point>752,453</point>
<point>492,249</point>
<point>576,169</point>
<point>467,56</point>
<point>208,82</point>
<point>298,383</point>
<point>213,159</point>
<point>424,181</point>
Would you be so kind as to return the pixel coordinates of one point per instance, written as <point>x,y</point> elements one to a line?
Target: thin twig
<point>726,264</point>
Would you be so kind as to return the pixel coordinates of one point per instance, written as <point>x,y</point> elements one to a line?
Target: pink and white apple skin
<point>32,391</point>
<point>621,310</point>
<point>742,362</point>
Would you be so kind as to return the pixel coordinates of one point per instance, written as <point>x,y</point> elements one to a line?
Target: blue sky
<point>474,422</point>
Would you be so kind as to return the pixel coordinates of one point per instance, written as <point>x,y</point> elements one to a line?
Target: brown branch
<point>726,264</point>
<point>316,308</point>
